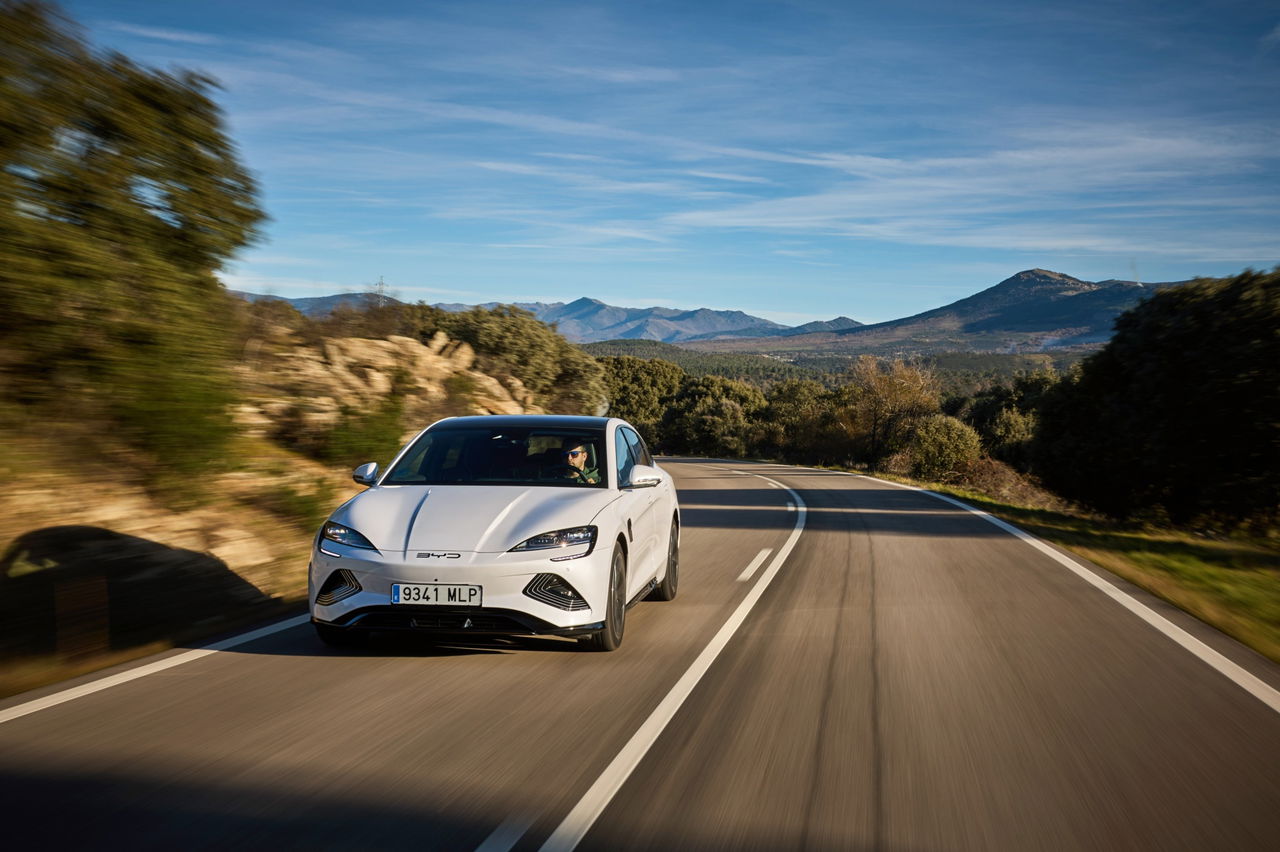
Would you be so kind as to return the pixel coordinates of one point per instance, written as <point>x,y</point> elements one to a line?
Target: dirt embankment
<point>94,569</point>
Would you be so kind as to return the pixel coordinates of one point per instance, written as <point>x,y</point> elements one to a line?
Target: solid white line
<point>1247,681</point>
<point>507,835</point>
<point>791,507</point>
<point>19,710</point>
<point>584,814</point>
<point>755,563</point>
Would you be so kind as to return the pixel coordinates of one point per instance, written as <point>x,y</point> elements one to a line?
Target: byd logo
<point>439,555</point>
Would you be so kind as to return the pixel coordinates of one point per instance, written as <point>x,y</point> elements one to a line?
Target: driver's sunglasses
<point>573,453</point>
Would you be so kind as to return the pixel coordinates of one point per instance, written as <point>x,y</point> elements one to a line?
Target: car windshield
<point>569,458</point>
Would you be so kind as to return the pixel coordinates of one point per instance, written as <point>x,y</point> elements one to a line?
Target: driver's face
<point>577,457</point>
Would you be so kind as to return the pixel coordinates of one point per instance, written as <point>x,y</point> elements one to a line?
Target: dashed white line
<point>584,814</point>
<point>755,563</point>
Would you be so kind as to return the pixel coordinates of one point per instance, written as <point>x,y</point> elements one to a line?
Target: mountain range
<point>1032,311</point>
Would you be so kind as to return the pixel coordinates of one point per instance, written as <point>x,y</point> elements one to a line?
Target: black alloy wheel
<point>615,617</point>
<point>666,590</point>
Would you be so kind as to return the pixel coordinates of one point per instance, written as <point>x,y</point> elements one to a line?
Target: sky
<point>794,160</point>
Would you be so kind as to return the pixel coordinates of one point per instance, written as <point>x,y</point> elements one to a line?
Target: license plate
<point>435,595</point>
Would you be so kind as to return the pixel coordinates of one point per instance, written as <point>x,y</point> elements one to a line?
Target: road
<point>908,676</point>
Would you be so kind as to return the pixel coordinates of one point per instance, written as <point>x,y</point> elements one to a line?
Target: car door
<point>643,505</point>
<point>636,514</point>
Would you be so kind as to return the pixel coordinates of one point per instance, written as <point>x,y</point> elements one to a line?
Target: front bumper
<point>505,607</point>
<point>469,621</point>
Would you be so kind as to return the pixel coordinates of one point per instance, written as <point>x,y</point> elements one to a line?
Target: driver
<point>576,457</point>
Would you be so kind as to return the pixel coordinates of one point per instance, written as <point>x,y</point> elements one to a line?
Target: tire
<point>341,637</point>
<point>666,590</point>
<point>615,616</point>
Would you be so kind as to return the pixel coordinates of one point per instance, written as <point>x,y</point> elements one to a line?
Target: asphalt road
<point>908,677</point>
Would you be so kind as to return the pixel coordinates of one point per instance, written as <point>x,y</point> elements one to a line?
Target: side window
<point>622,460</point>
<point>638,450</point>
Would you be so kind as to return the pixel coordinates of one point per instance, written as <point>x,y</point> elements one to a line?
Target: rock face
<point>314,385</point>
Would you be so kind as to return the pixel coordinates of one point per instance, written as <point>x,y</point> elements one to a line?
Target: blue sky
<point>796,160</point>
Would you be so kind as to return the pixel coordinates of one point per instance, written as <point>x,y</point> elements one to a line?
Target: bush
<point>943,448</point>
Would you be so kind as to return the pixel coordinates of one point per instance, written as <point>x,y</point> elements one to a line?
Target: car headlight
<point>560,538</point>
<point>343,534</point>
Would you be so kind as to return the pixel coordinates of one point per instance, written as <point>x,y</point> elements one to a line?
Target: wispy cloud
<point>159,34</point>
<point>729,177</point>
<point>625,75</point>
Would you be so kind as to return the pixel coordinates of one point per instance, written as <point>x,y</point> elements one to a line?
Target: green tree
<point>796,424</point>
<point>639,390</point>
<point>120,198</point>
<point>1180,412</point>
<point>712,416</point>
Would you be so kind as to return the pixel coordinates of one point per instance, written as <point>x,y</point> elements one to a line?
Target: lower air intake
<point>340,585</point>
<point>555,591</point>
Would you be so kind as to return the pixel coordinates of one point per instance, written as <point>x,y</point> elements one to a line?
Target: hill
<point>1035,310</point>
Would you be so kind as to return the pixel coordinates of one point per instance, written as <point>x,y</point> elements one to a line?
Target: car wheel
<point>615,616</point>
<point>341,637</point>
<point>666,590</point>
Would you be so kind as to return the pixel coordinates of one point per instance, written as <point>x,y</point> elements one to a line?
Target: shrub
<point>943,448</point>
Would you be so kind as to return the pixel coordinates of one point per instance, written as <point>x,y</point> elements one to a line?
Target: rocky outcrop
<point>316,385</point>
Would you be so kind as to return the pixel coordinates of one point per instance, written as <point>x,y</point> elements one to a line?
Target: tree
<point>712,416</point>
<point>639,389</point>
<point>1180,412</point>
<point>880,405</point>
<point>795,425</point>
<point>120,198</point>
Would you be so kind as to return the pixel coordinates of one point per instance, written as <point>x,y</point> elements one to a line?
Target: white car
<point>525,524</point>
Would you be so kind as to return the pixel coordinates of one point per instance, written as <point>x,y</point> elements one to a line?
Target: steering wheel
<point>568,469</point>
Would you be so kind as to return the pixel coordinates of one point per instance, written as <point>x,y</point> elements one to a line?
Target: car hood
<point>470,518</point>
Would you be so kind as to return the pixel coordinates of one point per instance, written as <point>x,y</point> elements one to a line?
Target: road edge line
<point>598,796</point>
<point>17,711</point>
<point>1233,671</point>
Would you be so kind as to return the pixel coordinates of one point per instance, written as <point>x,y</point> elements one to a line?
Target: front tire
<point>615,617</point>
<point>666,590</point>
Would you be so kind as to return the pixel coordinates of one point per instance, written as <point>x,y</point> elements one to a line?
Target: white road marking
<point>579,821</point>
<point>507,835</point>
<point>755,563</point>
<point>791,507</point>
<point>1240,676</point>
<point>17,711</point>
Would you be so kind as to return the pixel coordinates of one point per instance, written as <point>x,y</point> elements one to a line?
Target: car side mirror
<point>644,476</point>
<point>365,474</point>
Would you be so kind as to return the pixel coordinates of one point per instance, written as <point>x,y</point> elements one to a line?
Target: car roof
<point>540,421</point>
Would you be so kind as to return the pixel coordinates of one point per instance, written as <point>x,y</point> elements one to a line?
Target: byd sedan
<point>528,524</point>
